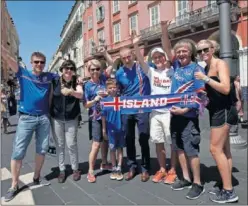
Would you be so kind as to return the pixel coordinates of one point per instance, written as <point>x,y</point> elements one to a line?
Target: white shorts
<point>160,127</point>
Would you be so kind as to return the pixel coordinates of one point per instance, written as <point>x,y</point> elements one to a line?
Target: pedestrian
<point>35,86</point>
<point>4,110</point>
<point>94,91</point>
<point>223,113</point>
<point>65,111</point>
<point>160,79</point>
<point>185,130</point>
<point>134,82</point>
<point>240,102</point>
<point>113,131</point>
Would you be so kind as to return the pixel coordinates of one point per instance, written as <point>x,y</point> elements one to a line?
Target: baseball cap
<point>157,49</point>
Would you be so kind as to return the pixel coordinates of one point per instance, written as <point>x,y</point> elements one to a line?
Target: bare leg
<point>160,150</point>
<point>104,151</point>
<point>113,157</point>
<point>173,160</point>
<point>218,140</point>
<point>184,165</point>
<point>93,155</point>
<point>15,171</point>
<point>120,156</point>
<point>39,161</point>
<point>195,166</point>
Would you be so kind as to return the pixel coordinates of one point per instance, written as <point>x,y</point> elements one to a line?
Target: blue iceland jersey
<point>113,120</point>
<point>133,82</point>
<point>184,80</point>
<point>91,90</point>
<point>34,91</point>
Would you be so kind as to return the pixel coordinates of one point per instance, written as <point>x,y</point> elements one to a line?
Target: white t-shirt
<point>160,81</point>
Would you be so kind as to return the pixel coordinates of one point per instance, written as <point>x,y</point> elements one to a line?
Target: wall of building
<point>9,44</point>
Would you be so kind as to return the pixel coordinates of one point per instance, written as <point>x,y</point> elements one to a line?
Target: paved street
<point>110,192</point>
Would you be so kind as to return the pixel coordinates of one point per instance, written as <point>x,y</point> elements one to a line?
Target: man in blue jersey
<point>35,89</point>
<point>133,82</point>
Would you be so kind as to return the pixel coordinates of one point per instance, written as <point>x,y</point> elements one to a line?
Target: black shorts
<point>185,135</point>
<point>220,117</point>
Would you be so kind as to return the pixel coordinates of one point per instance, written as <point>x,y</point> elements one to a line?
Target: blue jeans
<point>27,125</point>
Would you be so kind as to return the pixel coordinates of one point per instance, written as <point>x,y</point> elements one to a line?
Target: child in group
<point>112,130</point>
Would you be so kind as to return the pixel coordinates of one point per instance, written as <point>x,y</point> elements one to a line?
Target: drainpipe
<point>236,141</point>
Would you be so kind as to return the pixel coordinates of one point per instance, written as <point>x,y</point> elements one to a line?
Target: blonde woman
<point>223,113</point>
<point>94,90</point>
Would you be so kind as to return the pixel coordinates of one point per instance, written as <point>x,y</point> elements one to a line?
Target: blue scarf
<point>133,105</point>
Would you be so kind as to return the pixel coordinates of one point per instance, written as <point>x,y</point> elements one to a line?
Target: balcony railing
<point>151,32</point>
<point>194,18</point>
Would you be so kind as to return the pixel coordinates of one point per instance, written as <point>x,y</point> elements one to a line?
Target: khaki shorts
<point>160,127</point>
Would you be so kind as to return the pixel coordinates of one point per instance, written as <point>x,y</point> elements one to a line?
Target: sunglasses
<point>205,50</point>
<point>69,68</point>
<point>41,62</point>
<point>95,69</point>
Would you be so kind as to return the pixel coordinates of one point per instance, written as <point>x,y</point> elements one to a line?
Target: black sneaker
<point>181,184</point>
<point>12,192</point>
<point>41,181</point>
<point>225,196</point>
<point>195,191</point>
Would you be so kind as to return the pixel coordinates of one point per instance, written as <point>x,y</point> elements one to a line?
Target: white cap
<point>157,49</point>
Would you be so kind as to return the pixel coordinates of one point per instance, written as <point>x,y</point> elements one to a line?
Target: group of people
<point>47,98</point>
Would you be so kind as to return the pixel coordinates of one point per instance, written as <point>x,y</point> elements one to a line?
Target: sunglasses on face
<point>41,62</point>
<point>127,57</point>
<point>95,69</point>
<point>205,50</point>
<point>69,68</point>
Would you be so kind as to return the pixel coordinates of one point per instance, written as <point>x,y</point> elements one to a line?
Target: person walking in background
<point>133,81</point>
<point>65,111</point>
<point>113,131</point>
<point>185,130</point>
<point>160,79</point>
<point>239,103</point>
<point>4,110</point>
<point>94,91</point>
<point>223,113</point>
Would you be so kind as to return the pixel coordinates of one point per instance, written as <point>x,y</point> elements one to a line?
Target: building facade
<point>9,45</point>
<point>71,46</point>
<point>111,23</point>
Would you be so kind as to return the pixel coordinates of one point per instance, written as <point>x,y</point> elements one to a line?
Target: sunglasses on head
<point>205,50</point>
<point>41,62</point>
<point>95,69</point>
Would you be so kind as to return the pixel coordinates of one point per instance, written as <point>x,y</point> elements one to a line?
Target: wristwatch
<point>206,79</point>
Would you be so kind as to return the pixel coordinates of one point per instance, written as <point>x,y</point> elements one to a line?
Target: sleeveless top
<point>64,108</point>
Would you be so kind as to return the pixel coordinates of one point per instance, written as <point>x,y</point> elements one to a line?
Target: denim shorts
<point>185,135</point>
<point>27,125</point>
<point>95,130</point>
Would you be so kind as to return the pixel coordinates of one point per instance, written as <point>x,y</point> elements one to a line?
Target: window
<point>100,36</point>
<point>116,6</point>
<point>133,23</point>
<point>117,32</point>
<point>132,1</point>
<point>90,23</point>
<point>182,7</point>
<point>100,13</point>
<point>154,15</point>
<point>209,2</point>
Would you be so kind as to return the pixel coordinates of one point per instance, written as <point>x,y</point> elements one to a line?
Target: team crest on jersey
<point>124,74</point>
<point>44,79</point>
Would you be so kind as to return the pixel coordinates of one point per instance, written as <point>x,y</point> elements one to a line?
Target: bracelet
<point>206,79</point>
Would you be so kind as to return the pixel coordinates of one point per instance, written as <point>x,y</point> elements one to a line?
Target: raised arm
<point>140,57</point>
<point>102,50</point>
<point>165,40</point>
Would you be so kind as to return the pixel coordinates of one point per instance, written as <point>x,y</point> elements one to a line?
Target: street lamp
<point>226,54</point>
